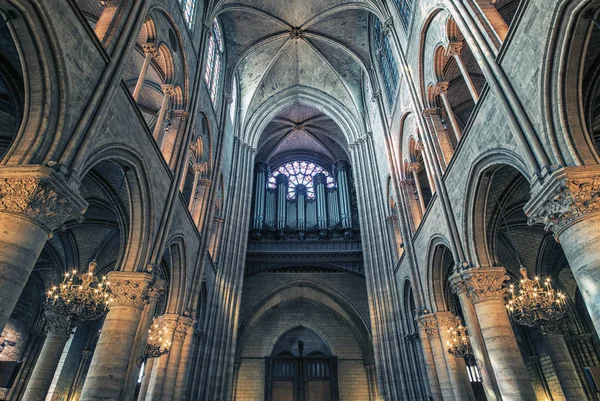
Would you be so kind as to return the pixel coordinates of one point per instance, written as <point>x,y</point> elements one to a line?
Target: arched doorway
<point>301,368</point>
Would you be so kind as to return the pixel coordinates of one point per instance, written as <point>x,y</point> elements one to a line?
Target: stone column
<point>483,361</point>
<point>260,187</point>
<point>433,118</point>
<point>59,331</point>
<point>425,330</point>
<point>146,379</point>
<point>557,350</point>
<point>34,201</point>
<point>457,369</point>
<point>159,368</point>
<point>566,202</point>
<point>185,363</point>
<point>159,129</point>
<point>485,286</point>
<point>171,143</point>
<point>150,51</point>
<point>453,50</point>
<point>414,169</point>
<point>108,369</point>
<point>216,237</point>
<point>441,89</point>
<point>179,334</point>
<point>200,200</point>
<point>198,169</point>
<point>436,369</point>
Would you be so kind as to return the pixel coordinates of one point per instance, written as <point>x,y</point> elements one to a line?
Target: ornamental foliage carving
<point>132,292</point>
<point>39,200</point>
<point>430,325</point>
<point>571,200</point>
<point>485,283</point>
<point>58,325</point>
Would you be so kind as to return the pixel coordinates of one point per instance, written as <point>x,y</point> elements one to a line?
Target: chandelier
<point>82,296</point>
<point>534,303</point>
<point>459,344</point>
<point>158,343</point>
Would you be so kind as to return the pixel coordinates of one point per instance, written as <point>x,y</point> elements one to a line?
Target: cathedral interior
<point>300,200</point>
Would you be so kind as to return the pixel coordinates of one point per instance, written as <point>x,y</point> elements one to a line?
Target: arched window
<point>300,172</point>
<point>387,62</point>
<point>188,6</point>
<point>405,10</point>
<point>213,61</point>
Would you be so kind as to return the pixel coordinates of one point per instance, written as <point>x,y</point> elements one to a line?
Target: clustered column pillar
<point>174,357</point>
<point>35,202</point>
<point>485,286</point>
<point>59,331</point>
<point>282,190</point>
<point>150,51</point>
<point>260,187</point>
<point>434,119</point>
<point>426,332</point>
<point>201,194</point>
<point>341,168</point>
<point>414,169</point>
<point>131,292</point>
<point>319,181</point>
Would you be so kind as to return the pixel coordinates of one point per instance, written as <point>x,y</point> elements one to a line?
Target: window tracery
<point>189,6</point>
<point>387,62</point>
<point>300,172</point>
<point>212,73</point>
<point>404,8</point>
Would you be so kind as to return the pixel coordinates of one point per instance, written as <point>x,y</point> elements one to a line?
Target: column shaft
<point>159,129</point>
<point>142,77</point>
<point>108,369</point>
<point>557,349</point>
<point>59,330</point>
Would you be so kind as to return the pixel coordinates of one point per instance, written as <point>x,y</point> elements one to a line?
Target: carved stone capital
<point>440,88</point>
<point>167,89</point>
<point>205,182</point>
<point>485,283</point>
<point>564,198</point>
<point>447,319</point>
<point>131,289</point>
<point>150,49</point>
<point>414,167</point>
<point>57,325</point>
<point>198,167</point>
<point>454,49</point>
<point>39,194</point>
<point>182,327</point>
<point>432,111</point>
<point>430,325</point>
<point>181,114</point>
<point>458,284</point>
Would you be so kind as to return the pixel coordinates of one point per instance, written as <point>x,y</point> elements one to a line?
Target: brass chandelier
<point>158,343</point>
<point>533,303</point>
<point>81,296</point>
<point>459,344</point>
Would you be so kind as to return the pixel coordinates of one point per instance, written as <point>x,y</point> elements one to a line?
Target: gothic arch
<point>440,263</point>
<point>139,202</point>
<point>40,102</point>
<point>474,229</point>
<point>178,282</point>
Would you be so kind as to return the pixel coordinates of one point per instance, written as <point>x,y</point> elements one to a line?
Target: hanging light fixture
<point>459,344</point>
<point>158,343</point>
<point>82,296</point>
<point>533,303</point>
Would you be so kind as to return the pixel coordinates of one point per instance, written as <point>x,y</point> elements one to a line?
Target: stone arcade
<point>299,200</point>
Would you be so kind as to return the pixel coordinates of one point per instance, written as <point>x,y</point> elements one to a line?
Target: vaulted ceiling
<point>277,46</point>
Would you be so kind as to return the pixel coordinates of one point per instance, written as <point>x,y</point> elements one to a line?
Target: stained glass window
<point>212,73</point>
<point>300,172</point>
<point>189,6</point>
<point>387,63</point>
<point>405,10</point>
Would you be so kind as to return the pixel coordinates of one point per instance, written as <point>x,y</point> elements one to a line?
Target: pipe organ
<point>318,203</point>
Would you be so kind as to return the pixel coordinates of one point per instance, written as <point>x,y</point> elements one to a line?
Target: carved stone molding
<point>168,89</point>
<point>440,87</point>
<point>432,111</point>
<point>205,182</point>
<point>132,289</point>
<point>151,49</point>
<point>457,284</point>
<point>485,283</point>
<point>447,319</point>
<point>39,194</point>
<point>568,195</point>
<point>454,49</point>
<point>57,324</point>
<point>182,327</point>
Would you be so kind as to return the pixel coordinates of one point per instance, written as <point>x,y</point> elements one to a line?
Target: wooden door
<point>282,390</point>
<point>319,391</point>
